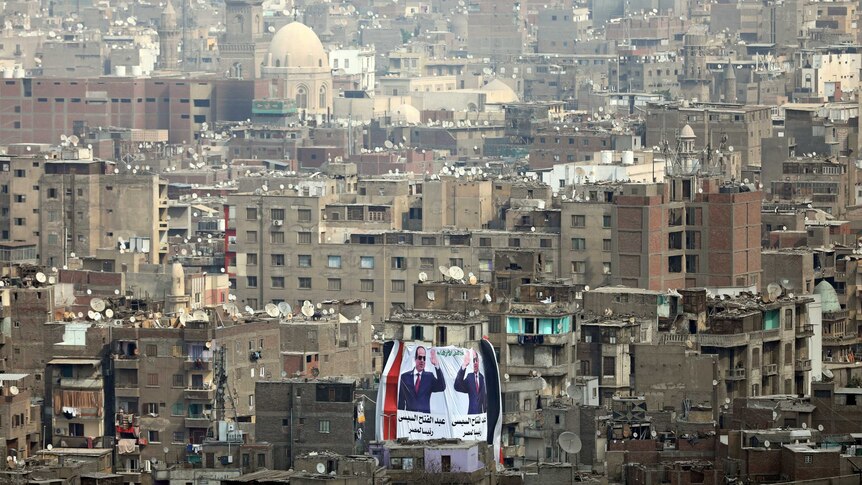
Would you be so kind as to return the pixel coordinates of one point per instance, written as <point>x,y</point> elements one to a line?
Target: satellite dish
<point>727,400</point>
<point>506,377</point>
<point>804,425</point>
<point>41,278</point>
<point>80,314</point>
<point>488,297</point>
<point>443,270</point>
<point>321,468</point>
<point>820,427</point>
<point>473,280</point>
<point>332,311</point>
<point>13,390</point>
<point>50,447</point>
<point>766,444</point>
<point>828,374</point>
<point>109,313</point>
<point>456,273</point>
<point>97,304</point>
<point>569,442</point>
<point>387,144</point>
<point>423,277</point>
<point>654,433</point>
<point>91,315</point>
<point>774,291</point>
<point>283,308</point>
<point>714,382</point>
<point>249,310</point>
<point>52,280</point>
<point>271,309</point>
<point>308,310</point>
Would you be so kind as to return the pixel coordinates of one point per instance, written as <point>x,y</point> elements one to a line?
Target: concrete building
<point>302,416</point>
<point>85,209</point>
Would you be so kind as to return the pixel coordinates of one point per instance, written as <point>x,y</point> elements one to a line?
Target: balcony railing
<point>802,365</point>
<point>806,330</point>
<point>737,374</point>
<point>770,369</point>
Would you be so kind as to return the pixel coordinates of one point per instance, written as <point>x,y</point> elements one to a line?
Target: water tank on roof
<point>628,157</point>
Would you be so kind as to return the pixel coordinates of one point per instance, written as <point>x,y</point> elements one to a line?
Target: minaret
<point>730,84</point>
<point>169,39</point>
<point>177,299</point>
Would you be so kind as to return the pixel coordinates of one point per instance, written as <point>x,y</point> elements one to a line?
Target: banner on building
<point>440,392</point>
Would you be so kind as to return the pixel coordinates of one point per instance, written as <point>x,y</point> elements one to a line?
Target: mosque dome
<point>296,45</point>
<point>828,297</point>
<point>686,132</point>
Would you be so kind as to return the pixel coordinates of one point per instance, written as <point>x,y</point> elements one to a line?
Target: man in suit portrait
<point>472,384</point>
<point>417,384</point>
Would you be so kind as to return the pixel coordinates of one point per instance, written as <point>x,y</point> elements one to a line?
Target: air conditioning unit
<point>277,222</point>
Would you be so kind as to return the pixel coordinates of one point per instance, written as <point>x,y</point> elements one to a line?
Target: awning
<point>71,361</point>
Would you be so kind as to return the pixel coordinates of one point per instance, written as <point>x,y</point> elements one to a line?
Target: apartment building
<point>85,206</point>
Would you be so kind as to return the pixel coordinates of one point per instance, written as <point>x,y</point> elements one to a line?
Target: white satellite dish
<point>473,280</point>
<point>41,278</point>
<point>91,315</point>
<point>52,280</point>
<point>308,310</point>
<point>488,297</point>
<point>423,277</point>
<point>456,273</point>
<point>820,427</point>
<point>570,442</point>
<point>321,468</point>
<point>97,304</point>
<point>443,270</point>
<point>766,444</point>
<point>284,308</point>
<point>249,310</point>
<point>109,313</point>
<point>13,390</point>
<point>271,309</point>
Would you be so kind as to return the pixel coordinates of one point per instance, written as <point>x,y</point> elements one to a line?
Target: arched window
<point>240,24</point>
<point>301,98</point>
<point>278,63</point>
<point>321,102</point>
<point>320,63</point>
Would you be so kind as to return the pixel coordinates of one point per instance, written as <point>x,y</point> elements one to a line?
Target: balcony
<point>835,316</point>
<point>718,340</point>
<point>802,365</point>
<point>806,330</point>
<point>197,421</point>
<point>127,389</point>
<point>198,393</point>
<point>513,451</point>
<point>198,364</point>
<point>529,339</point>
<point>734,374</point>
<point>769,369</point>
<point>125,362</point>
<point>544,370</point>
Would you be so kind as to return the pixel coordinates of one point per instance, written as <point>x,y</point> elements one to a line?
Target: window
<point>579,267</point>
<point>153,436</point>
<point>277,260</point>
<point>277,282</point>
<point>429,241</point>
<point>251,400</point>
<point>545,243</point>
<point>303,215</point>
<point>426,263</point>
<point>486,265</point>
<point>485,242</point>
<point>606,244</point>
<point>178,437</point>
<point>323,426</point>
<point>251,281</point>
<point>609,366</point>
<point>606,268</point>
<point>251,259</point>
<point>366,285</point>
<point>304,260</point>
<point>333,284</point>
<point>178,409</point>
<point>366,262</point>
<point>276,237</point>
<point>152,350</point>
<point>303,238</point>
<point>514,242</point>
<point>579,244</point>
<point>178,381</point>
<point>398,286</point>
<point>251,236</point>
<point>334,262</point>
<point>304,283</point>
<point>152,408</point>
<point>494,324</point>
<point>579,221</point>
<point>606,221</point>
<point>399,262</point>
<point>808,459</point>
<point>251,213</point>
<point>261,460</point>
<point>277,214</point>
